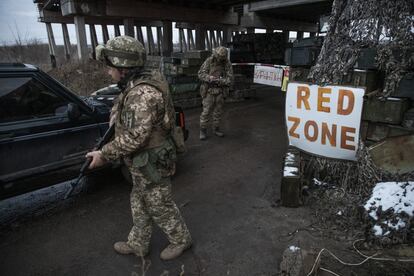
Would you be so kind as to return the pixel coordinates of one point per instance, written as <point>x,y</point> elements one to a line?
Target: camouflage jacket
<point>144,117</point>
<point>220,70</point>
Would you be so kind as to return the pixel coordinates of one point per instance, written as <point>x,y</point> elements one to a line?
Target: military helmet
<point>122,52</point>
<point>220,52</point>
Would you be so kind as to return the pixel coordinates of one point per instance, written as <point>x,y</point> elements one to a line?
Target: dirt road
<point>225,187</point>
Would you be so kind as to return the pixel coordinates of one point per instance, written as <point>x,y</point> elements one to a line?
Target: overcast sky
<point>19,17</point>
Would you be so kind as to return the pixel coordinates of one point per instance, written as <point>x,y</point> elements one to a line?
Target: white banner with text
<point>268,75</point>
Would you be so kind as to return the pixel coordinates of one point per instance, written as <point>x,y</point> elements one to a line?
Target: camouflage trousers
<point>212,105</point>
<point>153,203</point>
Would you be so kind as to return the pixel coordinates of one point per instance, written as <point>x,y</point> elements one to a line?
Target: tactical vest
<point>157,159</point>
<point>162,130</point>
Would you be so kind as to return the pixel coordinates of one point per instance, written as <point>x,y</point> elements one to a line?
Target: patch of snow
<point>290,157</point>
<point>397,197</point>
<point>290,171</point>
<point>319,183</point>
<point>293,248</point>
<point>394,99</point>
<point>377,230</point>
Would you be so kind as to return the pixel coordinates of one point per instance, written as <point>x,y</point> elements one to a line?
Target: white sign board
<point>268,75</point>
<point>324,120</point>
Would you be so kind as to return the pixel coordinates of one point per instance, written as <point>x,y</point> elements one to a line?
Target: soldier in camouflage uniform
<point>144,119</point>
<point>216,75</point>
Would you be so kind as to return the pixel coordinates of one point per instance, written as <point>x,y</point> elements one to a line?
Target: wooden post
<point>105,33</point>
<point>117,30</point>
<point>94,39</point>
<point>200,38</point>
<point>299,35</point>
<point>66,41</point>
<point>129,26</point>
<point>167,38</point>
<point>52,44</point>
<point>81,37</point>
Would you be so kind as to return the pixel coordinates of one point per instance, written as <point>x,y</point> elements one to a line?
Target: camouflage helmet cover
<point>220,52</point>
<point>122,52</point>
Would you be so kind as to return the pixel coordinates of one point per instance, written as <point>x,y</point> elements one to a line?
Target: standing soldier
<point>216,76</point>
<point>144,120</point>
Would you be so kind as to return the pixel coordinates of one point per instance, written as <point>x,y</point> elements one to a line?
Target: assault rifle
<point>104,140</point>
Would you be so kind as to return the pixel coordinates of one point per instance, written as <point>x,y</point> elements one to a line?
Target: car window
<point>23,98</point>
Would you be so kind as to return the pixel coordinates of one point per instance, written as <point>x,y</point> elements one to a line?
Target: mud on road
<point>226,189</point>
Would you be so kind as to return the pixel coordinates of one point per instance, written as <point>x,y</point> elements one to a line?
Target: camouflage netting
<point>388,27</point>
<point>354,25</point>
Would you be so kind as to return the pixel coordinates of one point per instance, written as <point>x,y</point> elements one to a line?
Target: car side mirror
<point>73,111</point>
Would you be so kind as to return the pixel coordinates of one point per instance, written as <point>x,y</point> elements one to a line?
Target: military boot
<point>203,134</point>
<point>172,251</point>
<point>217,132</point>
<point>124,249</point>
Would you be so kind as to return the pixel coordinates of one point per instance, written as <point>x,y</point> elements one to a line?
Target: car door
<point>39,144</point>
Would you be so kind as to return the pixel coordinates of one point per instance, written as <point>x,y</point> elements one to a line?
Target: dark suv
<point>45,130</point>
